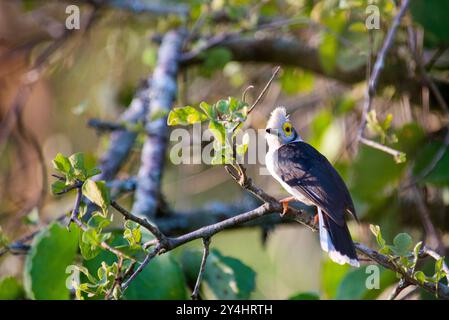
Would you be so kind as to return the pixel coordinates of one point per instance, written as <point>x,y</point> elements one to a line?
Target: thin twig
<point>141,221</point>
<point>373,144</point>
<point>76,208</point>
<point>431,232</point>
<point>429,83</point>
<point>196,290</point>
<point>101,125</point>
<point>118,279</point>
<point>265,89</point>
<point>436,257</point>
<point>147,259</point>
<point>378,67</point>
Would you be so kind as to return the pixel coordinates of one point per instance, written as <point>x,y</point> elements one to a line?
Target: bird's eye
<point>287,129</point>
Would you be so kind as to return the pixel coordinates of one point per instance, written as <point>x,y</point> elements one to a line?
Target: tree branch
<point>379,66</point>
<point>162,93</point>
<point>121,141</point>
<point>196,290</point>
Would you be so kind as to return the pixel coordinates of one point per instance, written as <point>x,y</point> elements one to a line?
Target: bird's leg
<point>284,203</point>
<point>316,218</point>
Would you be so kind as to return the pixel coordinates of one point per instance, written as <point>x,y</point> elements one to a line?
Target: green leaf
<point>185,116</point>
<point>62,164</point>
<point>439,265</point>
<point>58,186</point>
<point>77,162</point>
<point>402,244</point>
<point>420,276</point>
<point>98,193</point>
<point>162,279</point>
<point>88,248</point>
<point>305,296</point>
<point>11,289</point>
<point>377,233</point>
<point>354,286</point>
<point>132,233</point>
<point>224,277</point>
<point>98,222</point>
<point>219,132</point>
<point>416,251</point>
<point>52,250</point>
<point>222,106</point>
<point>208,110</point>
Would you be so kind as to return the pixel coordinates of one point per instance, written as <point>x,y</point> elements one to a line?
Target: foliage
<point>52,250</point>
<point>334,29</point>
<point>405,256</point>
<point>224,277</point>
<point>11,289</point>
<point>224,119</point>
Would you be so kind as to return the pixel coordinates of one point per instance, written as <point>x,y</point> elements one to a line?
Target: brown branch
<point>265,89</point>
<point>196,290</point>
<point>442,290</point>
<point>147,259</point>
<point>141,221</point>
<point>433,236</point>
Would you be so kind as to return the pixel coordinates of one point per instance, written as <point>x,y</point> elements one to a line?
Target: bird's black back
<point>302,167</point>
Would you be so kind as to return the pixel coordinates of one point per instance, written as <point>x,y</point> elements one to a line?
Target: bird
<point>309,177</point>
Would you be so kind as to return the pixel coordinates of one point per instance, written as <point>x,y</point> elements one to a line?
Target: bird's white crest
<point>278,118</point>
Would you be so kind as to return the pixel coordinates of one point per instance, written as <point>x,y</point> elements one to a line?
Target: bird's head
<point>279,129</point>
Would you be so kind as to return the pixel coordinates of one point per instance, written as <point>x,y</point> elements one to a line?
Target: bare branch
<point>162,93</point>
<point>147,259</point>
<point>141,221</point>
<point>373,144</point>
<point>265,89</point>
<point>432,234</point>
<point>196,290</point>
<point>379,66</point>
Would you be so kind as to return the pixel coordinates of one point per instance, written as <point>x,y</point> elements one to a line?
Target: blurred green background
<point>95,74</point>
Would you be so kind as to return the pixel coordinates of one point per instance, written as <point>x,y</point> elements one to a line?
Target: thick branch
<point>122,141</point>
<point>162,95</point>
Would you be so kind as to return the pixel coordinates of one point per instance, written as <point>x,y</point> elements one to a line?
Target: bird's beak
<point>272,131</point>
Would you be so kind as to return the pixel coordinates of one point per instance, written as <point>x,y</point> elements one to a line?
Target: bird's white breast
<point>269,162</point>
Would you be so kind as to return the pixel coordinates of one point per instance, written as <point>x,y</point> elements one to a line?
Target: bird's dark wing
<point>302,167</point>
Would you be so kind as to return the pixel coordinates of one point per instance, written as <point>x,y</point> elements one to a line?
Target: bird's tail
<point>337,241</point>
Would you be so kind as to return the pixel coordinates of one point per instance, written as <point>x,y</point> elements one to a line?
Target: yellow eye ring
<point>288,130</point>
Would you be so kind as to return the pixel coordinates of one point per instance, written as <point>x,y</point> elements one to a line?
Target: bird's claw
<point>284,208</point>
<point>316,220</point>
